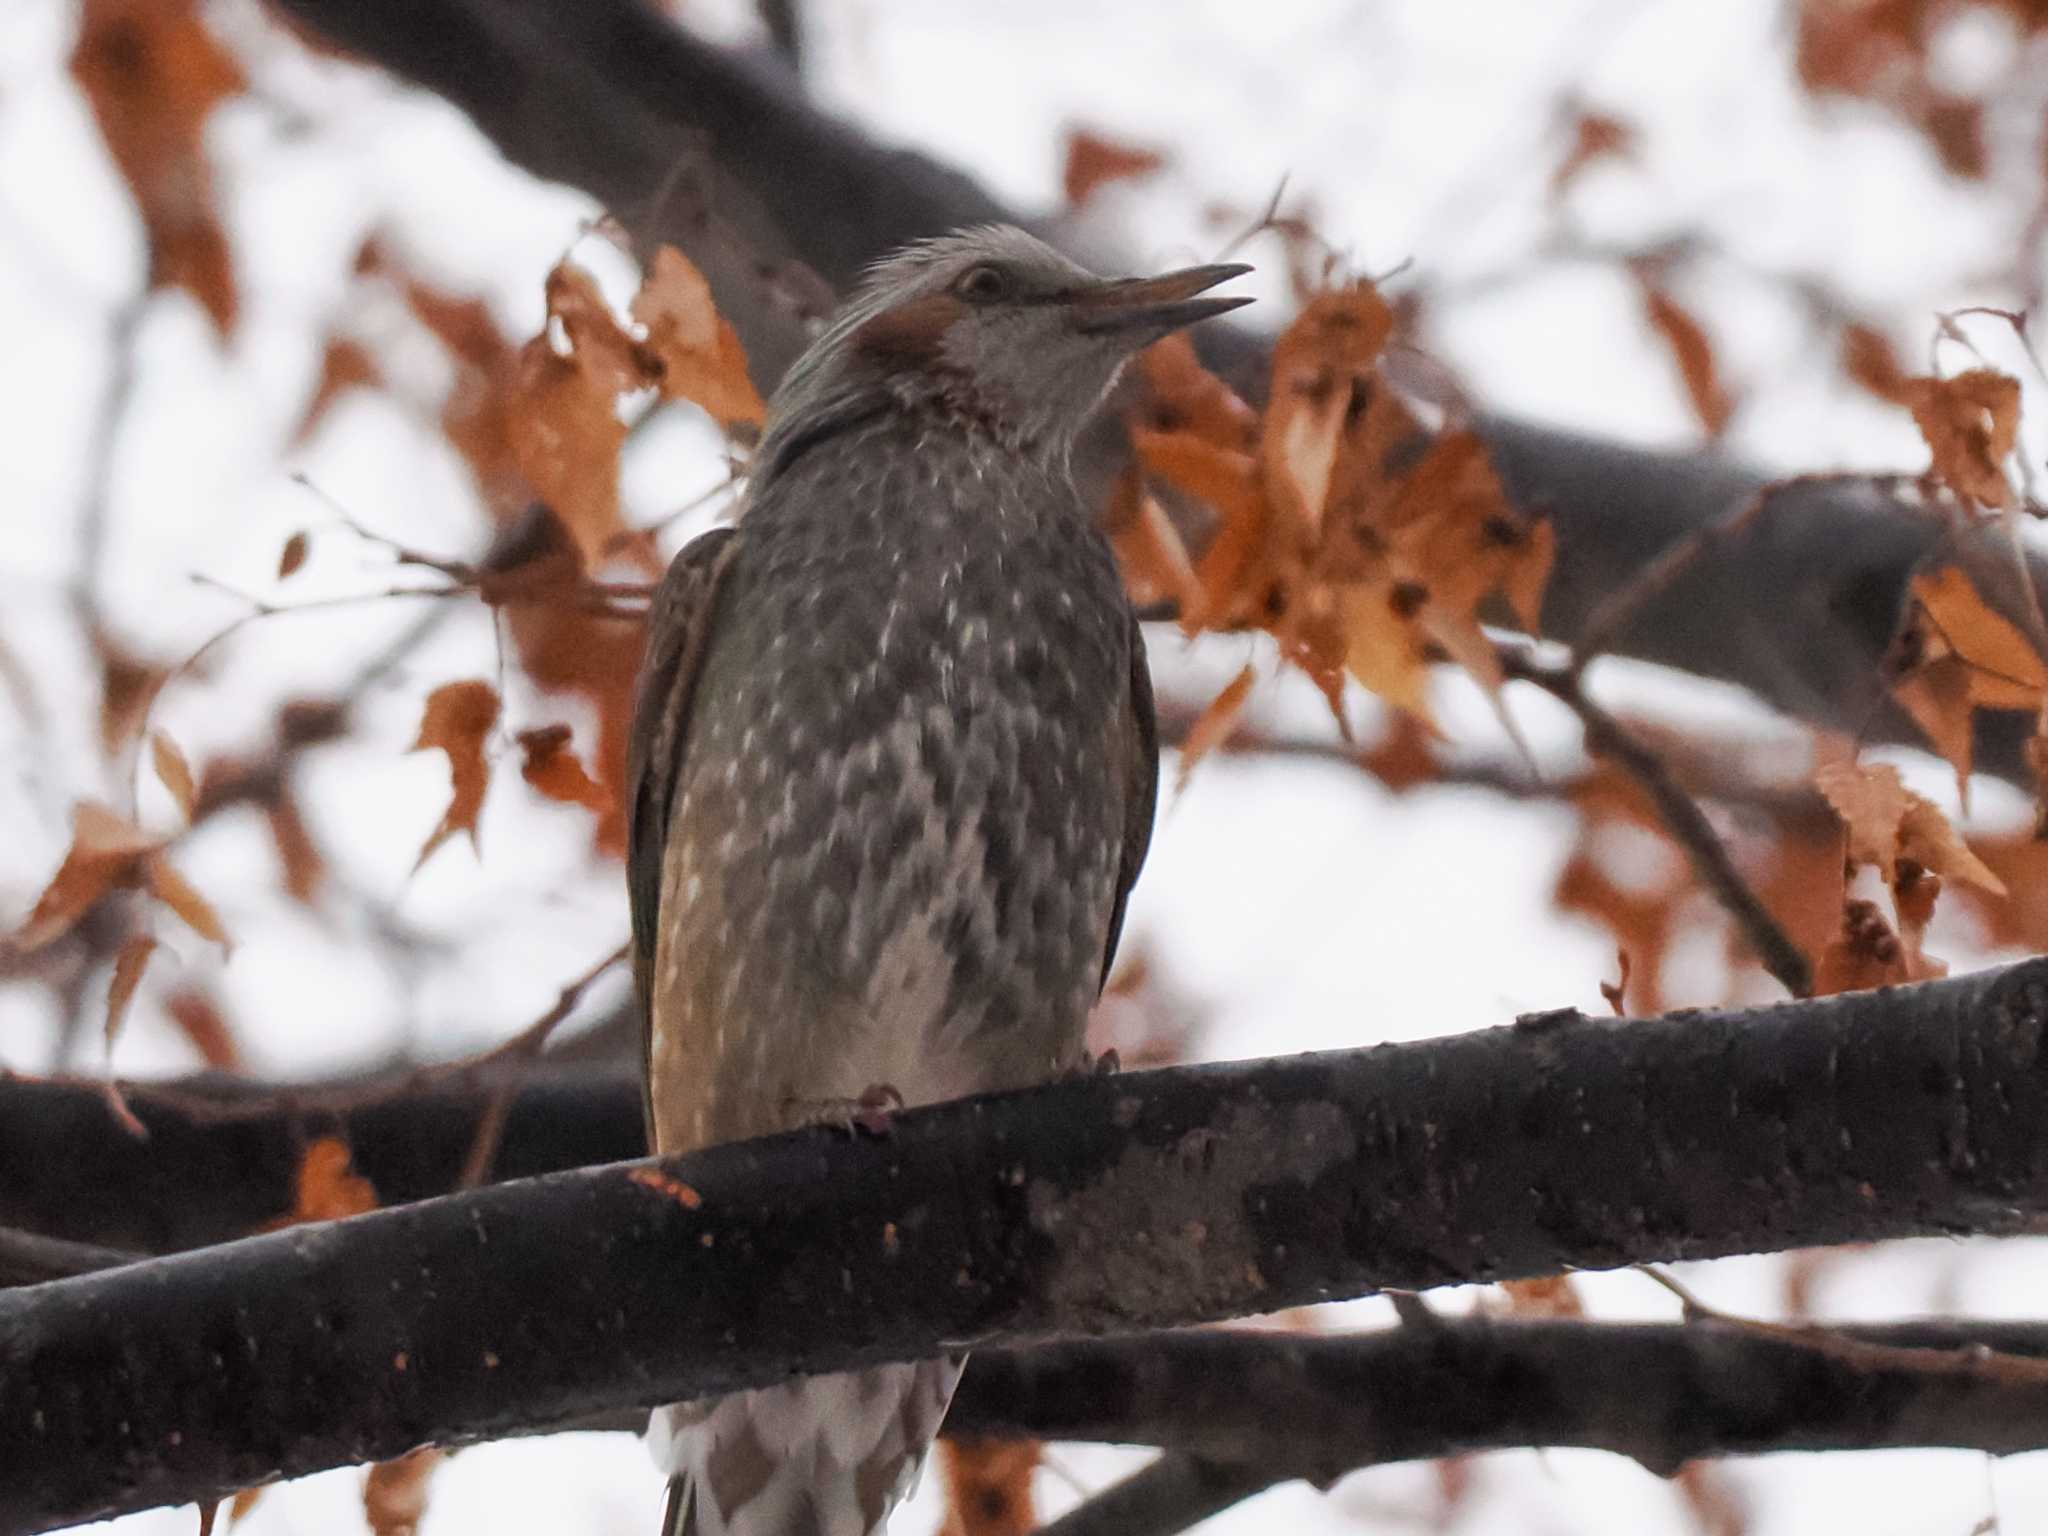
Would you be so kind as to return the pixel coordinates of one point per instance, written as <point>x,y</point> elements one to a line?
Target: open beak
<point>1146,308</point>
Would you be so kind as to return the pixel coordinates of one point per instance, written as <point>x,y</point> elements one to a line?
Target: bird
<point>892,773</point>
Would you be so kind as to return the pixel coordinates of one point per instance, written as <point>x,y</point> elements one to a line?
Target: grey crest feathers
<point>989,325</point>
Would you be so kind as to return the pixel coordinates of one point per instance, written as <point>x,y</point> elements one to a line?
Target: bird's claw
<point>869,1112</point>
<point>1093,1066</point>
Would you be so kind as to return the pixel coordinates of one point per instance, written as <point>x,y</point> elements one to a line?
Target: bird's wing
<point>678,632</point>
<point>1141,788</point>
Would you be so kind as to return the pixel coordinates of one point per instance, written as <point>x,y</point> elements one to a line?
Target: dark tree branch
<point>1167,1495</point>
<point>1103,1205</point>
<point>1798,605</point>
<point>1661,1394</point>
<point>1315,1406</point>
<point>221,1156</point>
<point>1681,815</point>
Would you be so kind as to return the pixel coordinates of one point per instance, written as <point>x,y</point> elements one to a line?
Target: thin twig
<point>1680,813</point>
<point>108,422</point>
<point>521,1051</point>
<point>29,1258</point>
<point>1973,1362</point>
<point>1169,1494</point>
<point>523,1047</point>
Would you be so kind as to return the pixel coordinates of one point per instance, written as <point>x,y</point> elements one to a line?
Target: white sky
<point>1417,131</point>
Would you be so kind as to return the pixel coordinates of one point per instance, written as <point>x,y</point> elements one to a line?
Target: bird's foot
<point>1094,1066</point>
<point>869,1112</point>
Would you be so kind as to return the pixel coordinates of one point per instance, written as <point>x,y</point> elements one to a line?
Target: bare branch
<point>1101,1205</point>
<point>1682,818</point>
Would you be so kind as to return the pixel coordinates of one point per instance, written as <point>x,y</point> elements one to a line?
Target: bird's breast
<point>901,805</point>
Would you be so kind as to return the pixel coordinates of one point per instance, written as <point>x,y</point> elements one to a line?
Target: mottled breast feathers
<point>685,610</point>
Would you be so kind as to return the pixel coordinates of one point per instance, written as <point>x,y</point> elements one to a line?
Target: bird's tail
<point>816,1456</point>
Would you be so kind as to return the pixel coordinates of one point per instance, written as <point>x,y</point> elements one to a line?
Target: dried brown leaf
<point>1863,955</point>
<point>1322,363</point>
<point>699,355</point>
<point>1871,800</point>
<point>179,894</point>
<point>326,1186</point>
<point>344,366</point>
<point>1960,655</point>
<point>1888,823</point>
<point>1234,571</point>
<point>1149,550</point>
<point>1616,991</point>
<point>1926,838</point>
<point>152,73</point>
<point>1869,358</point>
<point>1385,647</point>
<point>2036,752</point>
<point>988,1487</point>
<point>1553,1296</point>
<point>610,359</point>
<point>1937,695</point>
<point>1914,893</point>
<point>457,718</point>
<point>2006,671</point>
<point>566,436</point>
<point>129,962</point>
<point>106,850</point>
<point>395,1492</point>
<point>1970,422</point>
<point>304,869</point>
<point>127,685</point>
<point>550,766</point>
<point>174,772</point>
<point>199,1019</point>
<point>1094,161</point>
<point>1183,396</point>
<point>1693,351</point>
<point>1596,136</point>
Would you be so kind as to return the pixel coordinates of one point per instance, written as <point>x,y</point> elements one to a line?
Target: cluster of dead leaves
<point>457,721</point>
<point>1362,540</point>
<point>1970,420</point>
<point>152,74</point>
<point>540,425</point>
<point>1884,51</point>
<point>110,853</point>
<point>566,430</point>
<point>1972,636</point>
<point>1956,654</point>
<point>1913,849</point>
<point>1854,885</point>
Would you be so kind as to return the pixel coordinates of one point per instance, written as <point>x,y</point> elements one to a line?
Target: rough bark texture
<point>1661,1394</point>
<point>221,1156</point>
<point>720,154</point>
<point>1104,1205</point>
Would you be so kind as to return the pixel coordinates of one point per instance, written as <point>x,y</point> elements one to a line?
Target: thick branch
<point>1103,1205</point>
<point>1662,1394</point>
<point>221,1156</point>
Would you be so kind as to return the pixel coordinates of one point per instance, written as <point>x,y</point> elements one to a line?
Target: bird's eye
<point>983,285</point>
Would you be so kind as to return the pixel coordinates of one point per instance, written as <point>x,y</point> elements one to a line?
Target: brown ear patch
<point>908,335</point>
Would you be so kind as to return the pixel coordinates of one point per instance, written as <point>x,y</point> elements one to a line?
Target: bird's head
<point>993,329</point>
